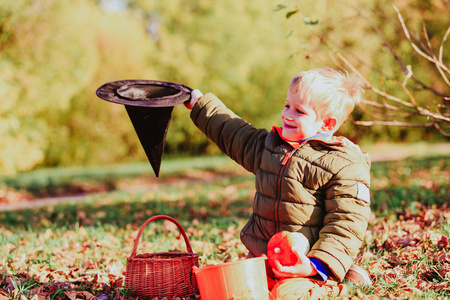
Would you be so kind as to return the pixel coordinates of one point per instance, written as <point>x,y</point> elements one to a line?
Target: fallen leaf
<point>71,295</point>
<point>3,295</point>
<point>88,295</point>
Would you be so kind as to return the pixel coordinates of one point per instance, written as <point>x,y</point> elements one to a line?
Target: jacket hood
<point>340,143</point>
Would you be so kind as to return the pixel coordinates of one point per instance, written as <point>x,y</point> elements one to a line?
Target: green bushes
<point>55,54</point>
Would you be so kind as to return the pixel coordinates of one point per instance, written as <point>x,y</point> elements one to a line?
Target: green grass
<point>400,184</point>
<point>21,287</point>
<point>395,185</point>
<point>84,240</point>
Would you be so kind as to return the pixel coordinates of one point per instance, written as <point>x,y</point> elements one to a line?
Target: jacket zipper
<point>285,161</point>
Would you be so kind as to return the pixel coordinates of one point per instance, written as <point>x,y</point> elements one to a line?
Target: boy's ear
<point>329,124</point>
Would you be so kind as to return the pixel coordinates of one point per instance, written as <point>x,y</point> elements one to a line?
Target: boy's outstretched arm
<point>234,136</point>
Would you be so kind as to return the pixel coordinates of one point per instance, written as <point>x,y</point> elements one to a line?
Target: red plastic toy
<point>279,247</point>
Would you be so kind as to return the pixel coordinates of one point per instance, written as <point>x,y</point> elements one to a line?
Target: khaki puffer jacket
<point>320,189</point>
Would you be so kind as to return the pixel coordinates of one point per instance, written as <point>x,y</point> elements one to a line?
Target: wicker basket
<point>164,274</point>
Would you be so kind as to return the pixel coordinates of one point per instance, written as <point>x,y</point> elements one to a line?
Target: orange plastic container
<point>242,279</point>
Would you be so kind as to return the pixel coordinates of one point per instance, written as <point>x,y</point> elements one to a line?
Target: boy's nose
<point>287,115</point>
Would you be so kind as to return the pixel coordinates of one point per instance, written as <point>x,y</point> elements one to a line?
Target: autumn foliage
<point>405,251</point>
<point>78,250</point>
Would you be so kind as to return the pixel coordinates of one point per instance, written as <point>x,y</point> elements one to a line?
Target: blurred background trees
<point>55,54</point>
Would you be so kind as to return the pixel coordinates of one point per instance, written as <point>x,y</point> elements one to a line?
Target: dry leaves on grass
<point>81,267</point>
<point>8,195</point>
<point>406,255</point>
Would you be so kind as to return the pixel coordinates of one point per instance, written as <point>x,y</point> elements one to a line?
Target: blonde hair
<point>329,92</point>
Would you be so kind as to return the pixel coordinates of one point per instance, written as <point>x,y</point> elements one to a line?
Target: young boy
<point>307,180</point>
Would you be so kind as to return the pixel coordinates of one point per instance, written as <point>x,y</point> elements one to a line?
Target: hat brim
<point>145,93</point>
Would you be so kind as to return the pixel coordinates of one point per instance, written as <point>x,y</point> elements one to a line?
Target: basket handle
<point>157,217</point>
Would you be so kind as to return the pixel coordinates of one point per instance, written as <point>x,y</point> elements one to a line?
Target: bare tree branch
<point>444,133</point>
<point>418,50</point>
<point>422,111</point>
<point>441,48</point>
<point>411,97</point>
<point>404,124</point>
<point>441,51</point>
<point>393,123</point>
<point>386,44</point>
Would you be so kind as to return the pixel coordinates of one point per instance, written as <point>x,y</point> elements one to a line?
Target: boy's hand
<point>303,267</point>
<point>195,95</point>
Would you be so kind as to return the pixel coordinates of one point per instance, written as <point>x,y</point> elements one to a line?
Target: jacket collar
<point>325,138</point>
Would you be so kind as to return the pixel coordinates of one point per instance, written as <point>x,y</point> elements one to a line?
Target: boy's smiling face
<point>300,121</point>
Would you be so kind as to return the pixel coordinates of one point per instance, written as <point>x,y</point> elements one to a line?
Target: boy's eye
<point>299,111</point>
<point>286,106</point>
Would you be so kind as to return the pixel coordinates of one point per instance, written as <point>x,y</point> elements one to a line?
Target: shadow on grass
<point>221,197</point>
<point>220,200</point>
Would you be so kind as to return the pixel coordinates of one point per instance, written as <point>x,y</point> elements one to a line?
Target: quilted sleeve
<point>234,136</point>
<point>347,206</point>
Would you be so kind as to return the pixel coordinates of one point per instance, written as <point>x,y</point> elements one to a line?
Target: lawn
<point>77,248</point>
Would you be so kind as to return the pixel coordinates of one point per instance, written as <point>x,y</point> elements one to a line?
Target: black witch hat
<point>149,105</point>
